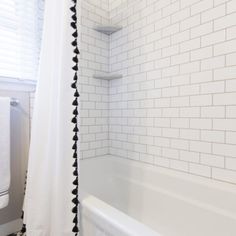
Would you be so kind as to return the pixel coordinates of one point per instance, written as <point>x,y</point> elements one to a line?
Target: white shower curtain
<point>48,200</point>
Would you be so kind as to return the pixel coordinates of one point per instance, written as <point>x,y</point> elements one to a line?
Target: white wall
<point>94,93</point>
<point>176,104</point>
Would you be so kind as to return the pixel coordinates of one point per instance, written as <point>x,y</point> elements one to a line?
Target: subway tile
<point>213,13</point>
<point>212,160</point>
<point>224,175</point>
<point>213,136</point>
<point>200,170</point>
<point>224,99</point>
<point>175,105</point>
<point>224,149</point>
<point>213,112</point>
<point>225,22</point>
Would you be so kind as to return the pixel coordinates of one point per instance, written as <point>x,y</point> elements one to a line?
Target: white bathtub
<point>126,198</point>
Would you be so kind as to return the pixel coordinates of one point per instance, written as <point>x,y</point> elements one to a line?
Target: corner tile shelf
<point>107,29</point>
<point>107,76</point>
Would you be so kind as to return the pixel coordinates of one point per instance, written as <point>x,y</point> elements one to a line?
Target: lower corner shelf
<point>107,76</point>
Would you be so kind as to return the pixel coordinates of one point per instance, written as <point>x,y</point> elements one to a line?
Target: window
<point>20,34</point>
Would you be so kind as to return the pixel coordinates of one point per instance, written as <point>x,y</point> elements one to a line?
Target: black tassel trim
<point>74,147</point>
<point>75,138</point>
<point>75,173</point>
<point>75,59</point>
<point>74,17</point>
<point>76,180</point>
<point>75,67</point>
<point>75,34</point>
<point>75,220</point>
<point>74,43</point>
<point>73,24</point>
<point>23,230</point>
<point>75,191</point>
<point>75,77</point>
<point>75,165</point>
<point>73,9</point>
<point>75,102</point>
<point>75,229</point>
<point>76,51</point>
<point>76,129</point>
<point>75,200</point>
<point>76,94</point>
<point>75,210</point>
<point>74,85</point>
<point>74,120</point>
<point>75,112</point>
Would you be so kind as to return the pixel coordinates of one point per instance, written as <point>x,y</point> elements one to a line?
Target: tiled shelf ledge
<point>107,76</point>
<point>107,29</point>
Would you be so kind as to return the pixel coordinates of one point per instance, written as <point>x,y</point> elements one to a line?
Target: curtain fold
<point>51,169</point>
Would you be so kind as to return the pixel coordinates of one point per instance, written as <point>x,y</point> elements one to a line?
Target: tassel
<point>76,94</point>
<point>74,147</point>
<point>73,25</point>
<point>75,77</point>
<point>75,102</point>
<point>76,51</point>
<point>75,229</point>
<point>74,43</point>
<point>74,210</point>
<point>75,201</point>
<point>74,120</point>
<point>75,173</point>
<point>75,191</point>
<point>75,112</point>
<point>74,85</point>
<point>75,59</point>
<point>73,9</point>
<point>76,129</point>
<point>75,220</point>
<point>75,182</point>
<point>74,17</point>
<point>75,138</point>
<point>75,67</point>
<point>23,230</point>
<point>75,34</point>
<point>75,165</point>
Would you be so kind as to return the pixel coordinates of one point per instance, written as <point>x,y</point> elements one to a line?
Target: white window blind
<point>20,34</point>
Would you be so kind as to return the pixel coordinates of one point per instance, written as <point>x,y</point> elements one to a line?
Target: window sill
<point>17,84</point>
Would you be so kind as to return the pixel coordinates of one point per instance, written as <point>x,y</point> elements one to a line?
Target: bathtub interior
<point>167,202</point>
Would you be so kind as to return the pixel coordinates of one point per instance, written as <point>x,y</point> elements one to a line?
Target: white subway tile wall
<point>94,93</point>
<point>175,106</point>
<point>176,103</point>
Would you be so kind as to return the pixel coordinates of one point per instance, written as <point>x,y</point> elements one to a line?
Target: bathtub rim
<point>114,161</point>
<point>186,176</point>
<point>112,220</point>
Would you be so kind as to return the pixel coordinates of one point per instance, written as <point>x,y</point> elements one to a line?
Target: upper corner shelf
<point>108,29</point>
<point>107,76</point>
